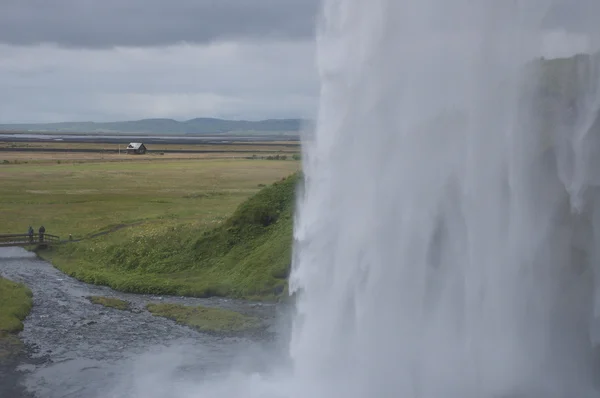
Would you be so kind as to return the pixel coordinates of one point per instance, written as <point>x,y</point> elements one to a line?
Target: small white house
<point>136,148</point>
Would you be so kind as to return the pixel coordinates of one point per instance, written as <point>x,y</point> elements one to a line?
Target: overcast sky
<point>78,60</point>
<point>81,60</point>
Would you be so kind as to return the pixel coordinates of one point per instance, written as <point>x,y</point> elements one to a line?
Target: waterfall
<point>439,250</point>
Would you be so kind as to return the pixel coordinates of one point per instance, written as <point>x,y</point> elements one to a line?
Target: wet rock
<point>86,322</point>
<point>278,290</point>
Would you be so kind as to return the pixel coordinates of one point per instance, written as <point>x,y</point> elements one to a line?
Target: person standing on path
<point>30,233</point>
<point>41,231</point>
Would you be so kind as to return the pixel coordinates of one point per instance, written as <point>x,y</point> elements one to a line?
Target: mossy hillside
<point>247,255</point>
<point>568,78</point>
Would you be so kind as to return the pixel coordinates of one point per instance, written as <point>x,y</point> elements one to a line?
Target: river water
<point>78,349</point>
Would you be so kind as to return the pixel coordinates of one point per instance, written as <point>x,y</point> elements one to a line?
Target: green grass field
<point>198,228</point>
<point>87,198</point>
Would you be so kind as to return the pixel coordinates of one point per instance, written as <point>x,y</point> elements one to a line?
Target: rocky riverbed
<point>74,348</point>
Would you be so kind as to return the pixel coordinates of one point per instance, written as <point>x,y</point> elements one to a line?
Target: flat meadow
<point>158,223</point>
<point>87,197</point>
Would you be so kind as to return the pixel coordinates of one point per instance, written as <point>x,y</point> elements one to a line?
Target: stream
<point>78,349</point>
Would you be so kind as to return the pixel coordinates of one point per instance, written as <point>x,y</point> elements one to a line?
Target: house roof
<point>135,145</point>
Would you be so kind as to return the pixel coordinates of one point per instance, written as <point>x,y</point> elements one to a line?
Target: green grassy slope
<point>247,255</point>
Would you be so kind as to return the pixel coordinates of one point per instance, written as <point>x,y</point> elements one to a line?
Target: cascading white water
<point>447,233</point>
<point>436,252</point>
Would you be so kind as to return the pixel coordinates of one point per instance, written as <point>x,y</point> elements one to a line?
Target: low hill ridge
<point>166,126</point>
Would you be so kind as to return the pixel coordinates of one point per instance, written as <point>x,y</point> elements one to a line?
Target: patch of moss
<point>10,346</point>
<point>15,304</point>
<point>110,302</point>
<point>205,319</point>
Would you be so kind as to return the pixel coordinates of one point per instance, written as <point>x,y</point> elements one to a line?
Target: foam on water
<point>446,235</point>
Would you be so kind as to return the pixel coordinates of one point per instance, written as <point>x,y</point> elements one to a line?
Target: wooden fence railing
<point>7,240</point>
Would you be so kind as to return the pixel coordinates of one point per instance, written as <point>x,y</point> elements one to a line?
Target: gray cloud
<point>246,80</point>
<point>119,59</point>
<point>109,23</point>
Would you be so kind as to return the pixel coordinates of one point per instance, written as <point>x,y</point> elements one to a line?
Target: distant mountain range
<point>167,126</point>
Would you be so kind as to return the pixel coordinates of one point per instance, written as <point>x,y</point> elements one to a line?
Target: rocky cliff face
<point>559,186</point>
<point>567,115</point>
